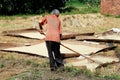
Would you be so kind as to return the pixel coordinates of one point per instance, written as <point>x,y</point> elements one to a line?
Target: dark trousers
<point>54,54</point>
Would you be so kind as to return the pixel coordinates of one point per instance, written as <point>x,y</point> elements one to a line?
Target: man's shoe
<point>60,65</point>
<point>53,69</point>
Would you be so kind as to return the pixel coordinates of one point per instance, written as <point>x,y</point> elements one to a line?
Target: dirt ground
<point>13,63</point>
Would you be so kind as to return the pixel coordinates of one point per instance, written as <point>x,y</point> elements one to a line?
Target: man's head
<point>55,12</point>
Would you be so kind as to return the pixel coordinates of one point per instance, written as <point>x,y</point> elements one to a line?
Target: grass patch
<point>76,71</point>
<point>41,73</point>
<point>118,16</point>
<point>110,77</point>
<point>75,7</point>
<point>29,75</point>
<point>109,15</point>
<point>89,10</point>
<point>74,3</point>
<point>10,57</point>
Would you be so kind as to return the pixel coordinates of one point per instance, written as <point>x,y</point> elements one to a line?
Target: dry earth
<point>71,23</point>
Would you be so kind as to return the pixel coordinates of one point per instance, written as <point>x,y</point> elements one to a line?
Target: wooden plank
<point>92,65</point>
<point>107,38</point>
<point>25,33</point>
<point>70,55</point>
<point>33,33</point>
<point>73,35</point>
<point>40,49</point>
<point>37,49</point>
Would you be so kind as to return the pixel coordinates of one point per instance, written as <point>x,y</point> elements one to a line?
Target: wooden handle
<point>80,54</point>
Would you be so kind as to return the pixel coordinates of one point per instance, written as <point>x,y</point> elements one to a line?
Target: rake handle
<point>77,52</point>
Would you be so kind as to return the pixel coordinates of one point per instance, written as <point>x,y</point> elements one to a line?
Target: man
<point>53,35</point>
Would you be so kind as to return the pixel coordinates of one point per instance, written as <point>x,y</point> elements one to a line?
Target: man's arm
<point>41,28</point>
<point>60,30</point>
<point>41,24</point>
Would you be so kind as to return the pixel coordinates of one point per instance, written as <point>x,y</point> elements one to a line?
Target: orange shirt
<point>53,28</point>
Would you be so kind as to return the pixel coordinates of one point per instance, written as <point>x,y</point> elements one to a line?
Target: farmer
<point>52,39</point>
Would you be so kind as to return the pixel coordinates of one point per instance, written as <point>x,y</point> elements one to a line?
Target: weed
<point>68,68</point>
<point>56,79</point>
<point>2,65</point>
<point>108,15</point>
<point>76,71</point>
<point>110,77</point>
<point>118,16</point>
<point>35,64</point>
<point>1,57</point>
<point>97,73</point>
<point>44,64</point>
<point>28,62</point>
<point>10,57</point>
<point>88,73</point>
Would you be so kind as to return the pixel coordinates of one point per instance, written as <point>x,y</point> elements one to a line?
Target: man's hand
<point>60,36</point>
<point>40,26</point>
<point>41,31</point>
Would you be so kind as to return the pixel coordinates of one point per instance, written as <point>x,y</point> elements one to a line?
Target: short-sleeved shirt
<point>53,28</point>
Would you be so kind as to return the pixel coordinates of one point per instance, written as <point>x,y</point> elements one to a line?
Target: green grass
<point>10,57</point>
<point>110,77</point>
<point>118,16</point>
<point>66,74</point>
<point>29,75</point>
<point>74,3</point>
<point>75,7</point>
